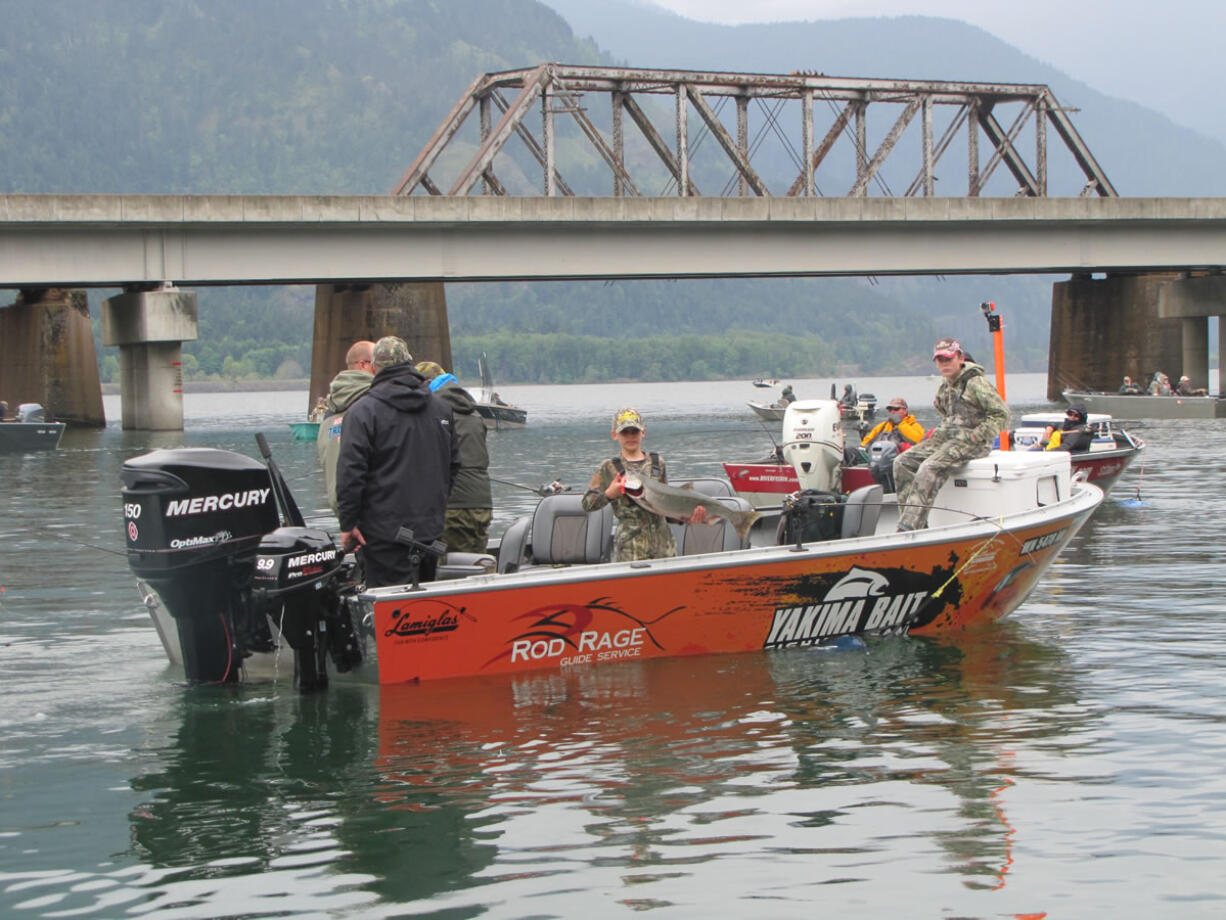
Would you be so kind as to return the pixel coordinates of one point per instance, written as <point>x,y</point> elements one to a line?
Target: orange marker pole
<point>998,347</point>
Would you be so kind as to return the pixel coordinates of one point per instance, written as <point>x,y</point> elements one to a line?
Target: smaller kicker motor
<point>219,541</point>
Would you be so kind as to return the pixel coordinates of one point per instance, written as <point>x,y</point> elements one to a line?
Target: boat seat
<point>716,488</point>
<point>461,565</point>
<point>564,534</point>
<point>715,537</point>
<point>513,546</point>
<point>861,511</point>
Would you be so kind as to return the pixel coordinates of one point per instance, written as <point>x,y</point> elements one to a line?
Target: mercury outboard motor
<point>204,531</point>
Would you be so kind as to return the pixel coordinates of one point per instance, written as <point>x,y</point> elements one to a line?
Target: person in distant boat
<point>849,397</point>
<point>4,411</point>
<point>1160,385</point>
<point>899,426</point>
<point>1074,435</point>
<point>496,400</point>
<point>399,457</point>
<point>972,416</point>
<point>343,392</point>
<point>882,445</point>
<point>640,534</point>
<point>786,398</point>
<point>1185,388</point>
<point>470,504</point>
<point>1128,388</point>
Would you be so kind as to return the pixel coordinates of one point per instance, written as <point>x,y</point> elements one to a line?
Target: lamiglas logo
<point>425,619</point>
<point>861,601</point>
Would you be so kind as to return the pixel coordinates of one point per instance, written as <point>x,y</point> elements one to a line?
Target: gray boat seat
<point>461,565</point>
<point>513,546</point>
<point>561,533</point>
<point>716,488</point>
<point>861,511</point>
<point>715,537</point>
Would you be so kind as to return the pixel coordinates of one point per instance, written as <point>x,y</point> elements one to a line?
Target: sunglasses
<point>895,408</point>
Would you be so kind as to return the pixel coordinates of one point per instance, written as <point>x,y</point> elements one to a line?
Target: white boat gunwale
<point>1083,497</point>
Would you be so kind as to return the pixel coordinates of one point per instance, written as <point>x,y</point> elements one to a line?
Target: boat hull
<point>765,485</point>
<point>496,417</point>
<point>19,437</point>
<point>939,580</point>
<point>770,413</point>
<point>1162,407</point>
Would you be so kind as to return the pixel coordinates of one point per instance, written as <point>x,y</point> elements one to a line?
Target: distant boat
<point>1121,405</point>
<point>309,430</point>
<point>765,382</point>
<point>493,411</point>
<point>29,431</point>
<point>304,431</point>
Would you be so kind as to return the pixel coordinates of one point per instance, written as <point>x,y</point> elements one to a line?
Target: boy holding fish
<point>641,533</point>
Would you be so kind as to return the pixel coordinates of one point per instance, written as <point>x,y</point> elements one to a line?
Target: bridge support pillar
<point>47,356</point>
<point>1104,328</point>
<point>150,328</point>
<point>347,313</point>
<point>1192,301</point>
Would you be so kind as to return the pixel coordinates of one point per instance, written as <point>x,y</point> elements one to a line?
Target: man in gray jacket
<point>470,506</point>
<point>343,392</point>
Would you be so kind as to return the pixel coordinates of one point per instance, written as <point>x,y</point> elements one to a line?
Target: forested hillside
<point>337,96</point>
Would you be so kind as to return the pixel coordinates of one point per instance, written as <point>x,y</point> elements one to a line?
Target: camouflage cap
<point>430,369</point>
<point>627,418</point>
<point>390,350</point>
<point>947,348</point>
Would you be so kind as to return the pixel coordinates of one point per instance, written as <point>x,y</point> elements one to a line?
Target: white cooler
<point>1003,482</point>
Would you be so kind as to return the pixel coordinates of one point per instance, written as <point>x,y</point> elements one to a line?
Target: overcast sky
<point>1165,54</point>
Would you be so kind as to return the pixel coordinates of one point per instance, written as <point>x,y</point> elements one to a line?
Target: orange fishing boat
<point>233,578</point>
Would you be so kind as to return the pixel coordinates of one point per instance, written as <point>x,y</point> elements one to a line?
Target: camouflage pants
<point>920,472</point>
<point>466,530</point>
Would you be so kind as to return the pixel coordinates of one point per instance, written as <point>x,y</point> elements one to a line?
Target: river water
<point>1065,763</point>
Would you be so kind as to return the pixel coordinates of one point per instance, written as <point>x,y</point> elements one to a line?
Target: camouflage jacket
<point>971,409</point>
<point>641,534</point>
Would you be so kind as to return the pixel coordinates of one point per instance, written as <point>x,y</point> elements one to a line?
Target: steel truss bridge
<point>531,106</point>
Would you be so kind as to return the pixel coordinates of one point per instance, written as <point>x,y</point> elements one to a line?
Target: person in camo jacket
<point>972,416</point>
<point>470,504</point>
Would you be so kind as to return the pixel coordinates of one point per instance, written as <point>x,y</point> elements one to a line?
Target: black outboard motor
<point>194,519</point>
<point>809,516</point>
<point>202,531</point>
<point>302,584</point>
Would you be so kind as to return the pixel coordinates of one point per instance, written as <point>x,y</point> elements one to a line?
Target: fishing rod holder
<point>418,551</point>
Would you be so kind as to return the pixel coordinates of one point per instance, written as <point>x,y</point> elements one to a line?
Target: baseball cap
<point>389,350</point>
<point>626,418</point>
<point>947,348</point>
<point>429,369</point>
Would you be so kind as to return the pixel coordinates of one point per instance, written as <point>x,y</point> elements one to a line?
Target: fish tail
<point>743,521</point>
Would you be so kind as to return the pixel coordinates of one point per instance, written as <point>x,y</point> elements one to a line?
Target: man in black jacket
<point>399,455</point>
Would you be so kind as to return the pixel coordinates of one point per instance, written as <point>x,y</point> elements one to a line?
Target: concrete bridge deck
<point>109,241</point>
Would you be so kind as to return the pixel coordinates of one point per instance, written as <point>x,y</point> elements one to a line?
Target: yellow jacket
<point>909,428</point>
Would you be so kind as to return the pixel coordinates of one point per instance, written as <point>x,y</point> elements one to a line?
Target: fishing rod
<point>552,488</point>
